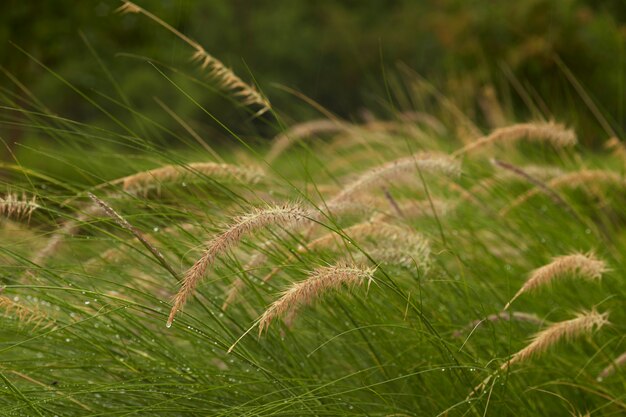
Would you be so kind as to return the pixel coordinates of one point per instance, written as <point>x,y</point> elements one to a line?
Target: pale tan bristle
<point>585,266</point>
<point>224,76</point>
<point>18,207</point>
<point>572,180</point>
<point>319,282</point>
<point>394,170</point>
<point>503,315</point>
<point>610,370</point>
<point>551,132</point>
<point>153,178</point>
<point>279,215</point>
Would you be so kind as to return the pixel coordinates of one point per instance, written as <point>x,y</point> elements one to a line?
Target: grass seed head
<point>585,266</point>
<point>305,292</point>
<point>278,215</point>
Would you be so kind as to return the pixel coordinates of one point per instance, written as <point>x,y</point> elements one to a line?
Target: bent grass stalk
<point>136,232</point>
<point>226,78</point>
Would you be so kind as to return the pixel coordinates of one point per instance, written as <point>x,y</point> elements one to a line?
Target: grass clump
<point>103,263</point>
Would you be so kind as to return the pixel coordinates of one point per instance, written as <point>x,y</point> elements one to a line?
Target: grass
<point>87,292</point>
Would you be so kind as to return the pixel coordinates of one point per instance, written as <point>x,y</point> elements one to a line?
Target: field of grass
<point>342,268</point>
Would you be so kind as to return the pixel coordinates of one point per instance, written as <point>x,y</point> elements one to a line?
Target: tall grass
<point>437,234</point>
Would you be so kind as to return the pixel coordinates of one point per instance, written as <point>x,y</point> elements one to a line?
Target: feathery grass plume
<point>610,370</point>
<point>567,330</point>
<point>225,77</point>
<point>585,266</point>
<point>302,131</point>
<point>584,323</point>
<point>305,292</point>
<point>570,179</point>
<point>12,205</point>
<point>283,215</point>
<point>503,315</point>
<point>154,177</point>
<point>557,134</point>
<point>24,314</point>
<point>396,169</point>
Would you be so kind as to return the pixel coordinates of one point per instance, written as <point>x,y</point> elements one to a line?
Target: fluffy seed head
<point>283,215</point>
<point>572,180</point>
<point>152,178</point>
<point>584,323</point>
<point>305,292</point>
<point>585,266</point>
<point>556,134</point>
<point>397,169</point>
<point>301,131</point>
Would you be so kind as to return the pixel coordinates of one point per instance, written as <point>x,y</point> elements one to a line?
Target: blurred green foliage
<point>333,51</point>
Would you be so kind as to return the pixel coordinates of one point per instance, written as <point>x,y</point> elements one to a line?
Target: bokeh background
<point>350,56</point>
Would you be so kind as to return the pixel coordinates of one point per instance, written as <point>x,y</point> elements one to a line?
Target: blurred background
<point>352,57</point>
